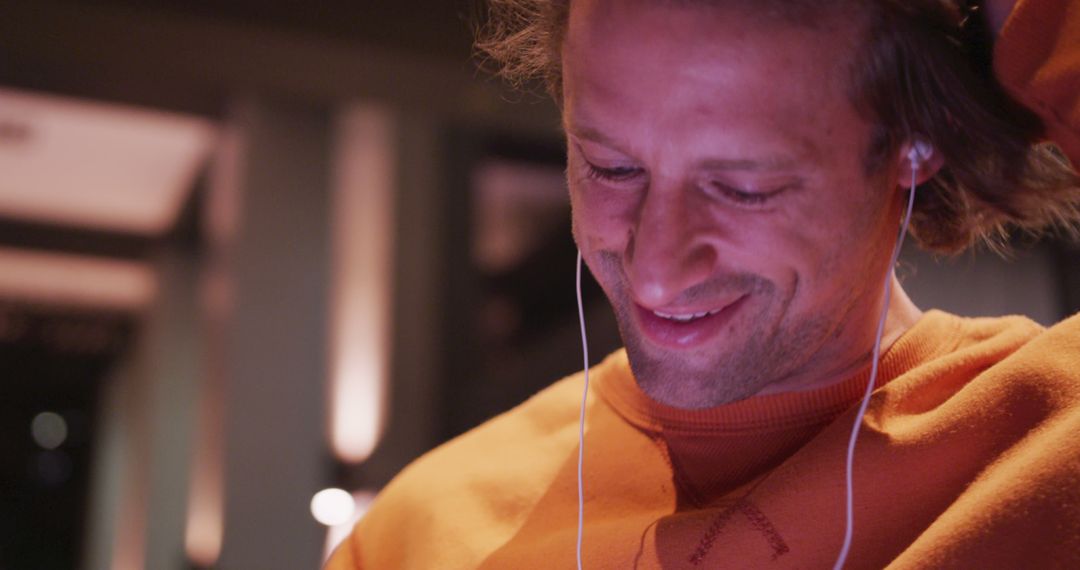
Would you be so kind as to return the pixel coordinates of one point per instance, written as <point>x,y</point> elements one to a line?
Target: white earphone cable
<point>849,520</point>
<point>849,527</point>
<point>581,420</point>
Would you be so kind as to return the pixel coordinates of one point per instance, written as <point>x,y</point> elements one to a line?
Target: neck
<point>900,316</point>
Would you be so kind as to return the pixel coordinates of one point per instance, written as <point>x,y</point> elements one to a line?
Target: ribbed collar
<point>935,333</point>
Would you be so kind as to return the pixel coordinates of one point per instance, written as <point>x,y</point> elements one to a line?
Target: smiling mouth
<point>683,330</point>
<point>686,317</point>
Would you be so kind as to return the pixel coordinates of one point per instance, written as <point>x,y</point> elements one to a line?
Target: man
<point>739,171</point>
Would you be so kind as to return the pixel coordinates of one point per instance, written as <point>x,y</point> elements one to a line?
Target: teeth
<point>686,317</point>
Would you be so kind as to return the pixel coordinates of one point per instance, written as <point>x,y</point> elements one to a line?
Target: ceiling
<point>428,27</point>
<point>92,165</point>
<point>72,164</point>
<point>75,281</point>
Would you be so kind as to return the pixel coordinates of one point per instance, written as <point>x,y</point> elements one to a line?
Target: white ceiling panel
<point>95,165</point>
<point>75,280</point>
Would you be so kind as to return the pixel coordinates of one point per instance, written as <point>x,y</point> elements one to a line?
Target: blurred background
<point>257,256</point>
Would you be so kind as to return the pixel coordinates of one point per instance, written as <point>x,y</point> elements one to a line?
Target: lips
<point>685,329</point>
<point>686,317</point>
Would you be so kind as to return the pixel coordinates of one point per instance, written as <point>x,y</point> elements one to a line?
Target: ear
<point>928,162</point>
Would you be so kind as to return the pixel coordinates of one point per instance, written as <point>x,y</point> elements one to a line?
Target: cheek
<point>847,245</point>
<point>792,257</point>
<point>601,221</point>
<point>824,238</point>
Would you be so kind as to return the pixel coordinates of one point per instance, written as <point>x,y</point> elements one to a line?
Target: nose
<point>672,247</point>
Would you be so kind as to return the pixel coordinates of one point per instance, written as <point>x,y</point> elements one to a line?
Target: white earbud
<point>920,151</point>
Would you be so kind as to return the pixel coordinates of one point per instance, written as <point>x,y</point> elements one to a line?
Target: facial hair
<point>765,347</point>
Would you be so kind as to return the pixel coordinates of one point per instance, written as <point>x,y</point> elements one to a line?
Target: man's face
<point>719,197</point>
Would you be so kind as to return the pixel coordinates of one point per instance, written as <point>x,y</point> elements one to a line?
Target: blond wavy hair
<point>923,70</point>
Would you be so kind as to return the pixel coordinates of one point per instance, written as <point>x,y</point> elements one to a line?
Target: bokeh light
<point>332,506</point>
<point>49,430</point>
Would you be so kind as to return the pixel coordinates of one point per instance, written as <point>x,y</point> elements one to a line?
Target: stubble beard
<point>765,346</point>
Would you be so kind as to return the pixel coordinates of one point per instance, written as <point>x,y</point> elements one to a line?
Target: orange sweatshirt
<point>1037,59</point>
<point>969,457</point>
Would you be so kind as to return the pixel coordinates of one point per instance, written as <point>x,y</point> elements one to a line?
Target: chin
<point>695,381</point>
<point>723,372</point>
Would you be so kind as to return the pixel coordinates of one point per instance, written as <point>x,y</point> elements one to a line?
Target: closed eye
<point>614,174</point>
<point>743,197</point>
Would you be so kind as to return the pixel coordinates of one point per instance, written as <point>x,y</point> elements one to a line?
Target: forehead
<point>684,34</point>
<point>661,64</point>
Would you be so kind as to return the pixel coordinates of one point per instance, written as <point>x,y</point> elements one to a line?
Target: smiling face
<point>720,199</point>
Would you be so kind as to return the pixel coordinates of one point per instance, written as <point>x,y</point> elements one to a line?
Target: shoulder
<point>1063,337</point>
<point>1029,415</point>
<point>1053,357</point>
<point>1052,349</point>
<point>474,487</point>
<point>1007,333</point>
<point>1021,361</point>
<point>1009,368</point>
<point>965,345</point>
<point>1021,349</point>
<point>976,341</point>
<point>545,422</point>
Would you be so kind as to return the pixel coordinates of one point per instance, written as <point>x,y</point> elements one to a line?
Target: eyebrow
<point>591,134</point>
<point>768,163</point>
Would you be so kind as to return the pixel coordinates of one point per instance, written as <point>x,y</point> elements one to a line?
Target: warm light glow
<point>332,507</point>
<point>205,519</point>
<point>97,165</point>
<point>129,538</point>
<point>205,525</point>
<point>337,533</point>
<point>361,298</point>
<point>75,280</point>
